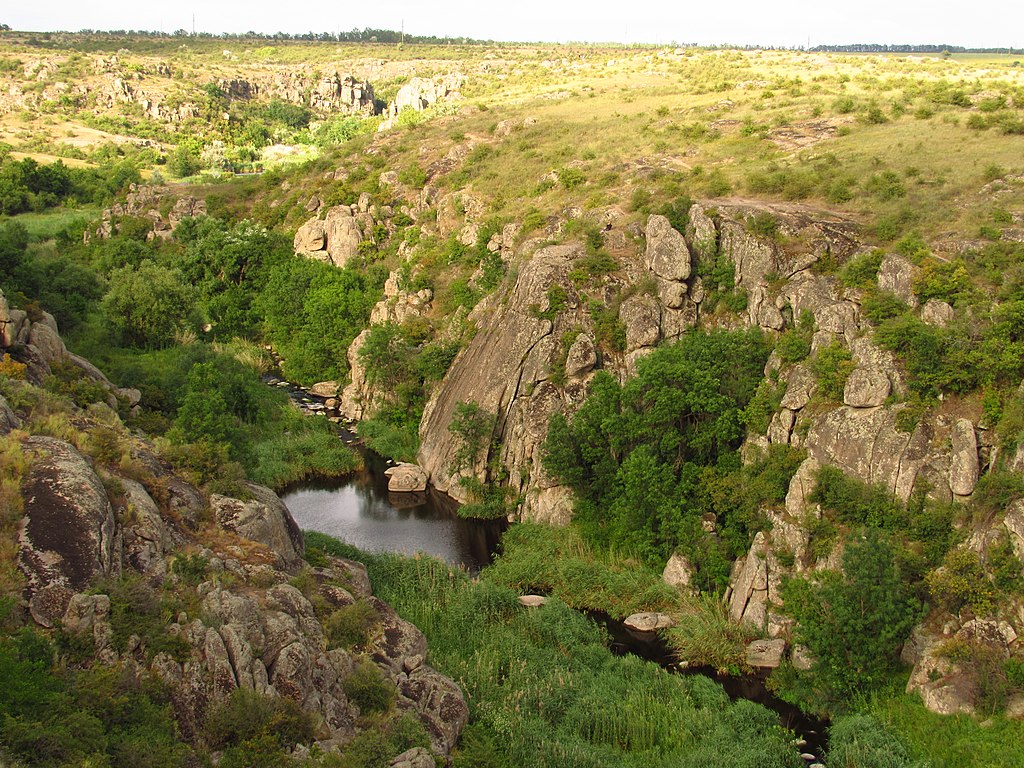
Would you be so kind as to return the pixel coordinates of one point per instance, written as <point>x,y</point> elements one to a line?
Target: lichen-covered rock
<point>263,519</point>
<point>866,443</point>
<point>897,275</point>
<point>44,337</point>
<point>749,586</point>
<point>648,622</point>
<point>8,418</point>
<point>800,388</point>
<point>68,534</point>
<point>667,253</point>
<point>581,358</point>
<point>937,681</point>
<point>504,370</point>
<point>324,389</point>
<point>866,388</point>
<point>642,317</point>
<point>937,313</point>
<point>964,467</point>
<point>678,572</point>
<point>147,538</point>
<point>1013,521</point>
<point>766,654</point>
<point>440,705</point>
<point>334,239</point>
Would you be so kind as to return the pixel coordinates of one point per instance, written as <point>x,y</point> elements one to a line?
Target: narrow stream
<point>361,511</point>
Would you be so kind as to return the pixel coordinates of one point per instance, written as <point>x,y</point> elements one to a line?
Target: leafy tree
<point>855,622</point>
<point>644,457</point>
<point>147,304</point>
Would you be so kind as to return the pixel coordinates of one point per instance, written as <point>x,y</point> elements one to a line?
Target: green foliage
<point>571,178</point>
<point>368,689</point>
<point>472,425</point>
<point>855,623</point>
<point>137,609</point>
<point>963,581</point>
<point>862,271</point>
<point>312,312</point>
<point>861,741</point>
<point>762,406</point>
<point>885,186</point>
<point>51,716</point>
<point>879,306</point>
<point>340,129</point>
<point>68,380</point>
<point>146,305</point>
<point>946,281</point>
<point>247,716</point>
<point>831,366</point>
<point>794,345</point>
<point>542,687</point>
<point>855,503</point>
<point>350,625</point>
<point>633,454</point>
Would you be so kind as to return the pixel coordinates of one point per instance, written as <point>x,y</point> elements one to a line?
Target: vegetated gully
<point>361,511</point>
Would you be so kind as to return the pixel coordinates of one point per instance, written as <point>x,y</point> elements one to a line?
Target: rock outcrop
<point>505,371</point>
<point>263,518</point>
<point>334,239</point>
<point>68,535</point>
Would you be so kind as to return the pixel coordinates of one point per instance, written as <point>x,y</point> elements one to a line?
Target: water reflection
<point>360,511</point>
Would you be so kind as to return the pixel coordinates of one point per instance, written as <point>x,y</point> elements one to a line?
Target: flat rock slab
<point>765,654</point>
<point>532,601</point>
<point>648,622</point>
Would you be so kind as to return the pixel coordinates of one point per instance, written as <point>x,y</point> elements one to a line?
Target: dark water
<point>360,511</point>
<point>648,645</point>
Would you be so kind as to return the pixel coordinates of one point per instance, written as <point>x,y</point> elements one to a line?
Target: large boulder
<point>766,654</point>
<point>964,467</point>
<point>263,519</point>
<point>335,239</point>
<point>897,275</point>
<point>667,253</point>
<point>406,478</point>
<point>504,370</point>
<point>68,534</point>
<point>679,572</point>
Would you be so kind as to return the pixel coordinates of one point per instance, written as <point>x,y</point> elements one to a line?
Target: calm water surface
<point>360,511</point>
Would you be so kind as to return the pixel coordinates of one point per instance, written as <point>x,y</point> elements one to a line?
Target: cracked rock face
<point>502,369</point>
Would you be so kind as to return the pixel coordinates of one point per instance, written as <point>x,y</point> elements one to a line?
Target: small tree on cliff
<point>854,622</point>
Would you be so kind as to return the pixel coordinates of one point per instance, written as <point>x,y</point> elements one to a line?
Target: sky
<point>790,23</point>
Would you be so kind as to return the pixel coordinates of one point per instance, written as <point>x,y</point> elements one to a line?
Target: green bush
<point>350,626</point>
<point>854,623</point>
<point>368,689</point>
<point>246,716</point>
<point>831,366</point>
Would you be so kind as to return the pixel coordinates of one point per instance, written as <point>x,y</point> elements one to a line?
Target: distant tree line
<point>365,35</point>
<point>880,48</point>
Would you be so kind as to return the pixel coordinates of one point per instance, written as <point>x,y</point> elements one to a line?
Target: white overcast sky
<point>982,23</point>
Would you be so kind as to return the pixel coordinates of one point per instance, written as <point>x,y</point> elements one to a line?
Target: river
<point>359,510</point>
